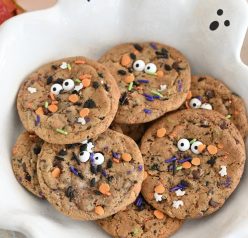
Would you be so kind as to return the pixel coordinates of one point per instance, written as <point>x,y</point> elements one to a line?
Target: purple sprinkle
<point>148,111</point>
<point>156,97</point>
<point>139,201</point>
<point>87,119</point>
<point>180,85</point>
<point>92,161</point>
<point>74,170</point>
<point>179,186</point>
<point>199,97</point>
<point>140,168</point>
<point>184,160</point>
<point>104,173</point>
<point>228,182</point>
<point>143,81</point>
<point>148,97</point>
<point>170,160</point>
<point>37,121</point>
<point>116,155</point>
<point>153,45</point>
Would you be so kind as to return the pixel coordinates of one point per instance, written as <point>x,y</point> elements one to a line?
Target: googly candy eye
<point>195,103</point>
<point>56,88</point>
<point>68,84</point>
<point>98,158</point>
<point>207,106</point>
<point>183,144</point>
<point>84,156</point>
<point>194,147</point>
<point>139,65</point>
<point>151,68</point>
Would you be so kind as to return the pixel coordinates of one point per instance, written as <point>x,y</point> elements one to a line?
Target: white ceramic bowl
<point>81,27</point>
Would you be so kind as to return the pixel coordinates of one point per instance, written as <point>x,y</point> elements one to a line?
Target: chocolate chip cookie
<point>211,94</point>
<point>194,160</point>
<point>153,79</point>
<point>93,179</point>
<point>140,220</point>
<point>24,162</point>
<point>68,101</point>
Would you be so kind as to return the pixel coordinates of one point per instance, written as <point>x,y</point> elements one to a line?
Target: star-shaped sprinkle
<point>163,87</point>
<point>223,171</point>
<point>78,87</point>
<point>32,90</point>
<point>81,120</point>
<point>64,65</point>
<point>177,204</point>
<point>158,197</point>
<point>180,193</point>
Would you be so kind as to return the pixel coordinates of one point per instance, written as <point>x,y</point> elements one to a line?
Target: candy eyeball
<point>139,65</point>
<point>98,158</point>
<point>68,84</point>
<point>194,147</point>
<point>183,144</point>
<point>207,106</point>
<point>195,103</point>
<point>151,68</point>
<point>56,88</point>
<point>84,156</point>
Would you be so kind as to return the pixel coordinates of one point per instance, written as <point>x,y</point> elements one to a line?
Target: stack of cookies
<point>175,148</point>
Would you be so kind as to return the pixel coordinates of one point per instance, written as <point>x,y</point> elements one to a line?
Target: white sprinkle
<point>32,90</point>
<point>223,171</point>
<point>81,120</point>
<point>78,87</point>
<point>207,106</point>
<point>163,87</point>
<point>90,146</point>
<point>180,193</point>
<point>177,204</point>
<point>158,197</point>
<point>64,65</point>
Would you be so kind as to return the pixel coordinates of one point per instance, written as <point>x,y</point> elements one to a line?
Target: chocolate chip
<point>223,125</point>
<point>95,85</point>
<point>124,99</point>
<point>212,161</point>
<point>93,169</point>
<point>155,167</point>
<point>184,183</point>
<point>130,70</point>
<point>75,157</point>
<point>54,67</point>
<point>132,56</point>
<point>59,81</point>
<point>69,193</point>
<point>100,75</point>
<point>106,87</point>
<point>210,94</point>
<point>49,80</point>
<point>196,174</point>
<point>177,66</point>
<point>162,54</point>
<point>58,158</point>
<point>167,67</point>
<point>121,72</point>
<point>37,150</point>
<point>109,164</point>
<point>80,175</point>
<point>201,79</point>
<point>90,104</point>
<point>93,182</point>
<point>110,178</point>
<point>28,177</point>
<point>213,203</point>
<point>138,47</point>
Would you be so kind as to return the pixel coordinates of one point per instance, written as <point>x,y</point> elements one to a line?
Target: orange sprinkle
<point>212,149</point>
<point>201,148</point>
<point>104,189</point>
<point>159,189</point>
<point>116,160</point>
<point>126,157</point>
<point>129,78</point>
<point>186,165</point>
<point>52,96</point>
<point>53,108</point>
<point>158,214</point>
<point>56,173</point>
<point>99,210</point>
<point>196,161</point>
<point>161,132</point>
<point>189,95</point>
<point>160,74</point>
<point>79,62</point>
<point>86,82</point>
<point>39,111</point>
<point>73,98</point>
<point>220,146</point>
<point>55,102</point>
<point>84,112</point>
<point>125,60</point>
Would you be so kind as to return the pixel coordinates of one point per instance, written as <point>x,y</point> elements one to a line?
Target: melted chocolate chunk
<point>212,161</point>
<point>95,85</point>
<point>54,67</point>
<point>28,177</point>
<point>124,99</point>
<point>109,164</point>
<point>69,193</point>
<point>49,80</point>
<point>210,94</point>
<point>167,67</point>
<point>138,47</point>
<point>93,182</point>
<point>36,150</point>
<point>106,87</point>
<point>132,56</point>
<point>100,75</point>
<point>90,104</point>
<point>74,157</point>
<point>121,72</point>
<point>201,79</point>
<point>213,203</point>
<point>59,81</point>
<point>62,152</point>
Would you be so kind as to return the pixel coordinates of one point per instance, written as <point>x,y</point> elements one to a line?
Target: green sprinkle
<point>228,116</point>
<point>69,67</point>
<point>192,141</point>
<point>62,131</point>
<point>157,93</point>
<point>130,86</point>
<point>46,104</point>
<point>154,74</point>
<point>78,81</point>
<point>179,167</point>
